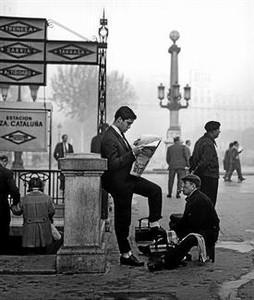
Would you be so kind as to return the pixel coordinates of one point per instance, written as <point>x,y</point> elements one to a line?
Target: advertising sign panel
<point>23,129</point>
<point>68,52</point>
<point>22,74</point>
<point>14,50</point>
<point>23,28</point>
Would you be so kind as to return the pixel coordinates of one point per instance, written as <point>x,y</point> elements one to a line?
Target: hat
<point>212,125</point>
<point>35,182</point>
<point>192,178</point>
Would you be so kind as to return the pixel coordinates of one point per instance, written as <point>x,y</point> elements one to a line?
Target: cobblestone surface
<point>235,207</point>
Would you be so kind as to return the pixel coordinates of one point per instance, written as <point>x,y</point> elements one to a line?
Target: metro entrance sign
<point>22,51</point>
<point>25,51</point>
<point>23,28</point>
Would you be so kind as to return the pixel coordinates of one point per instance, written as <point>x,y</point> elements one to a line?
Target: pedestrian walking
<point>234,162</point>
<point>121,185</point>
<point>226,161</point>
<point>178,163</point>
<point>7,187</point>
<point>188,145</point>
<point>204,160</point>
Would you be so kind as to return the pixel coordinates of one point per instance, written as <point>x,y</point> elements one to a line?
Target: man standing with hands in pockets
<point>121,185</point>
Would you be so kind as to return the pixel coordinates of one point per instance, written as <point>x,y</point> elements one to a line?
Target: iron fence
<point>51,179</point>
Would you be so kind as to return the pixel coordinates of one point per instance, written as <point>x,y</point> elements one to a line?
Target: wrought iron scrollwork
<point>102,53</point>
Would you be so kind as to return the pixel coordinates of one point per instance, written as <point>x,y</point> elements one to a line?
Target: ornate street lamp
<point>174,96</point>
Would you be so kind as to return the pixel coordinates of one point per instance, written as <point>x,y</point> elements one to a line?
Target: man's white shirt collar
<point>117,130</point>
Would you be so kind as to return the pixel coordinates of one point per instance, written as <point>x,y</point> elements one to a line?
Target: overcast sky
<point>216,36</point>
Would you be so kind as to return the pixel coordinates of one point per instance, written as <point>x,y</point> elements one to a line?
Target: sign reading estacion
<point>23,129</point>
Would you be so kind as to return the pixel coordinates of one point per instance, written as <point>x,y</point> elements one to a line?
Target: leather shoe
<point>144,250</point>
<point>131,261</point>
<point>169,196</point>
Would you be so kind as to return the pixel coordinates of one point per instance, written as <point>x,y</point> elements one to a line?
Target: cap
<point>192,178</point>
<point>212,125</point>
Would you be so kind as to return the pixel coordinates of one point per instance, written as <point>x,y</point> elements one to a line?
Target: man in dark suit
<point>7,187</point>
<point>60,151</point>
<point>62,148</point>
<point>121,185</point>
<point>178,163</point>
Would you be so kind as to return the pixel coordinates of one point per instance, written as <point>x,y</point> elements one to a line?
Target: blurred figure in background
<point>178,162</point>
<point>234,162</point>
<point>96,140</point>
<point>188,145</point>
<point>60,151</point>
<point>226,161</point>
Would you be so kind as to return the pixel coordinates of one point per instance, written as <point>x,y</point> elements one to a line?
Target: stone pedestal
<point>83,249</point>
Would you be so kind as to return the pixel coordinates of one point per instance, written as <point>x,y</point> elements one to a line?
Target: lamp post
<point>174,96</point>
<point>18,161</point>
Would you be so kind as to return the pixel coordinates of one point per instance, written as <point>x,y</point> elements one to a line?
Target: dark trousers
<point>235,166</point>
<point>175,255</point>
<point>122,205</point>
<point>4,234</point>
<point>209,186</point>
<point>171,177</point>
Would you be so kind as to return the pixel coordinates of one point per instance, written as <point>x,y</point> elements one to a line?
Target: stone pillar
<point>83,250</point>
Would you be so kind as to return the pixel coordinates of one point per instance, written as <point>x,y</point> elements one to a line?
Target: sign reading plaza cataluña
<point>24,126</point>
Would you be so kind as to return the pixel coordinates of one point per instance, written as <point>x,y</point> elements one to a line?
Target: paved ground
<point>230,277</point>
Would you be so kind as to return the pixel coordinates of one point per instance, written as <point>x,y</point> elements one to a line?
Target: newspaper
<point>150,143</point>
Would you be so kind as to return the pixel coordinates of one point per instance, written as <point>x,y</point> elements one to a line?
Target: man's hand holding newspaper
<point>144,148</point>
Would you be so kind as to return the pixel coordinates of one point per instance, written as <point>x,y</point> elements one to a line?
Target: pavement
<point>230,277</point>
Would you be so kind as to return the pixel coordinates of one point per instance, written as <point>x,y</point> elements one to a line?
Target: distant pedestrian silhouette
<point>234,162</point>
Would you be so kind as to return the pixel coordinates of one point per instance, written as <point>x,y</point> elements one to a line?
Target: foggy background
<point>216,60</point>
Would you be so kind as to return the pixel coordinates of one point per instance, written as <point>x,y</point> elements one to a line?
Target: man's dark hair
<point>212,125</point>
<point>64,136</point>
<point>235,143</point>
<point>125,113</point>
<point>176,139</point>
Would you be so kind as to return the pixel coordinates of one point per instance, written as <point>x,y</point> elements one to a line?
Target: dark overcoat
<point>7,187</point>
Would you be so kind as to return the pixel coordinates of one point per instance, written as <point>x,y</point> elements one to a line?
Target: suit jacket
<point>117,178</point>
<point>177,156</point>
<point>7,187</point>
<point>199,217</point>
<point>59,150</point>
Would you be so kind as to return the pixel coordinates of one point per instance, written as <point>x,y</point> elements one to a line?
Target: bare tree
<point>75,90</point>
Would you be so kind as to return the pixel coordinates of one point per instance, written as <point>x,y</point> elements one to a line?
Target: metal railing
<point>51,179</point>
